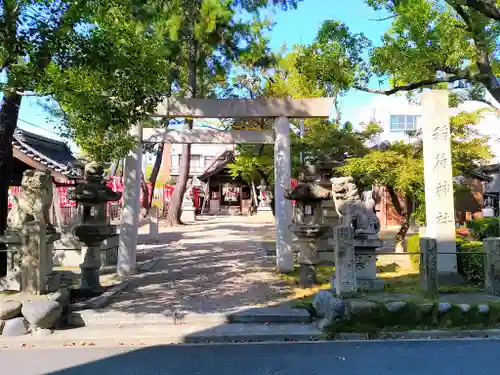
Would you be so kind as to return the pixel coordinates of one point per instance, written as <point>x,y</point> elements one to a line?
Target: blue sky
<point>292,27</point>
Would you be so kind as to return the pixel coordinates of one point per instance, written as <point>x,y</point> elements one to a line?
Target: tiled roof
<point>52,153</point>
<point>218,164</point>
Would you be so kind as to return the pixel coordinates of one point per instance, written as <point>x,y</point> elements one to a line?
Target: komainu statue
<point>34,201</point>
<point>352,209</point>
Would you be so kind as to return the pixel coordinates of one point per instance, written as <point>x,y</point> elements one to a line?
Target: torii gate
<point>281,109</point>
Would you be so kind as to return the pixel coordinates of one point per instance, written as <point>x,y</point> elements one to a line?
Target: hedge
<point>469,265</point>
<point>484,227</point>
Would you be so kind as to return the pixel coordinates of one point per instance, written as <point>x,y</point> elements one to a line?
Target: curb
<point>158,336</point>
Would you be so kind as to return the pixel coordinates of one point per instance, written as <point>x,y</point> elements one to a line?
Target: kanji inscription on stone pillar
<point>440,209</point>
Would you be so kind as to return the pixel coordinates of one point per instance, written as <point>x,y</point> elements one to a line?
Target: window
<point>195,161</point>
<point>208,161</point>
<point>174,161</point>
<point>403,122</point>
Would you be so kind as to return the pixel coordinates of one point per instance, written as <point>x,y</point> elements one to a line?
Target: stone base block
<point>52,282</point>
<point>188,215</point>
<point>451,278</point>
<point>73,256</point>
<point>370,285</point>
<point>326,257</point>
<point>307,275</point>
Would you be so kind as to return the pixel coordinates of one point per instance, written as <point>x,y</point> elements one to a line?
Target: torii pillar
<point>281,109</point>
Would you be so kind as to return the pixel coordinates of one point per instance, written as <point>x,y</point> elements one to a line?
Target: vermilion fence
<point>162,194</point>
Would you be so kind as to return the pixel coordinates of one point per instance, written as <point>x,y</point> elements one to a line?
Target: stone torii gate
<point>280,109</point>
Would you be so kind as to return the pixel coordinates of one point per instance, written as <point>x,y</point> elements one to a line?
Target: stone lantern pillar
<point>307,225</point>
<point>91,198</point>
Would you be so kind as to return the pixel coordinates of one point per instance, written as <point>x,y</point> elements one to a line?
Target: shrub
<point>413,246</point>
<point>484,227</point>
<point>470,265</point>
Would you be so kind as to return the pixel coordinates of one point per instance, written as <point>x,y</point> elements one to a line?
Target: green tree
<point>116,75</point>
<point>33,34</point>
<point>213,36</point>
<point>400,167</point>
<point>450,42</point>
<point>323,140</point>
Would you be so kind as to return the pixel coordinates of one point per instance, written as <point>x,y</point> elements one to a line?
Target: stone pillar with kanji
<point>438,177</point>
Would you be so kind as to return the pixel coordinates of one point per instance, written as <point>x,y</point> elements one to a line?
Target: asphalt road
<point>340,358</point>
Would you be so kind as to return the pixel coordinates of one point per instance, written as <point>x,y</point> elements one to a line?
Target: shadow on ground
<point>215,267</point>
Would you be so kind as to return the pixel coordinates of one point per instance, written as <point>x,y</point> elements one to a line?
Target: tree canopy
<point>430,42</point>
<point>400,167</point>
<point>323,140</point>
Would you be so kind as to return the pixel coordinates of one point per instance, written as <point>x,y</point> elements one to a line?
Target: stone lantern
<point>307,225</point>
<point>91,198</point>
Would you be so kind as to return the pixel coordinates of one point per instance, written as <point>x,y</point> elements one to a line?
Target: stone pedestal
<point>68,251</point>
<point>492,266</point>
<point>29,261</point>
<point>153,224</point>
<point>90,268</point>
<point>187,209</point>
<point>366,264</point>
<point>345,261</point>
<point>92,237</point>
<point>308,259</point>
<point>188,215</point>
<point>307,236</point>
<point>429,267</point>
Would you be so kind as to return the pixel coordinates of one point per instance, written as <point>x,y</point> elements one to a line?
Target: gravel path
<point>216,265</point>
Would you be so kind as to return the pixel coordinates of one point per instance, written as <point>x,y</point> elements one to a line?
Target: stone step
<point>248,315</point>
<point>253,332</point>
<point>158,334</point>
<point>270,315</point>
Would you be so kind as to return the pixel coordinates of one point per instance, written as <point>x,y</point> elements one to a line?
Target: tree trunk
<point>254,194</point>
<point>175,205</point>
<point>405,215</point>
<point>9,113</point>
<point>145,196</point>
<point>154,173</point>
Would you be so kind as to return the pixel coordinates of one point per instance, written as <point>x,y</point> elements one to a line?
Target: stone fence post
<point>428,267</point>
<point>492,265</point>
<point>153,224</point>
<point>345,261</point>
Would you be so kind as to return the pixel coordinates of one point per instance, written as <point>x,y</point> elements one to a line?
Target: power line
<point>38,127</point>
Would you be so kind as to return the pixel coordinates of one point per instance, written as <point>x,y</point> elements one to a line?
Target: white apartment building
<point>202,156</point>
<point>397,115</point>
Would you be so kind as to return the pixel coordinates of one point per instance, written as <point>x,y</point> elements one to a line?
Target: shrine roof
<point>52,154</point>
<point>218,165</point>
